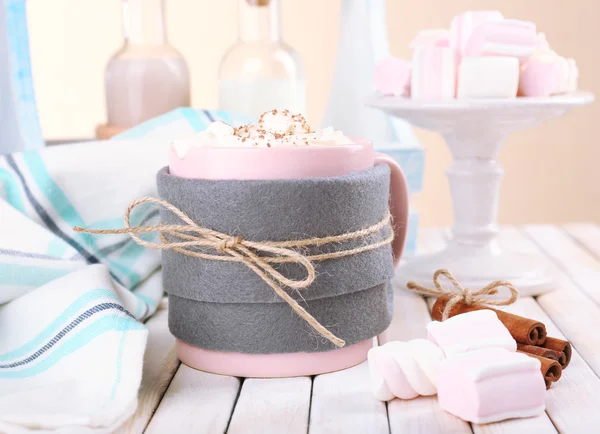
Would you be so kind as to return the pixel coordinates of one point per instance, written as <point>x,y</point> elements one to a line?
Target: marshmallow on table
<point>491,385</point>
<point>470,331</point>
<point>464,24</point>
<point>433,73</point>
<point>545,73</point>
<point>404,369</point>
<point>503,38</point>
<point>488,77</point>
<point>435,37</point>
<point>392,76</point>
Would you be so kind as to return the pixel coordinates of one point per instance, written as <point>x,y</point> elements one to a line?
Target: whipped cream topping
<point>276,128</point>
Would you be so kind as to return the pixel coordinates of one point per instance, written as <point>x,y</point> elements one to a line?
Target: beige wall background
<point>552,171</point>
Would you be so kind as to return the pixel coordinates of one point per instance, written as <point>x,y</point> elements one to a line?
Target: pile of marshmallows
<point>483,55</point>
<point>470,361</point>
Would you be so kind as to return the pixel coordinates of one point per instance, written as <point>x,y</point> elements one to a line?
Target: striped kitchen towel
<point>72,305</point>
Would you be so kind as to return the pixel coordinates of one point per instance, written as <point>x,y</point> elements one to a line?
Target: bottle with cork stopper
<point>260,72</point>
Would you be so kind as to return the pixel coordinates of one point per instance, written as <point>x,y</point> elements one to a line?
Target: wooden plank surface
<point>572,403</point>
<point>571,309</point>
<point>574,260</point>
<point>272,406</point>
<point>587,235</point>
<point>160,364</point>
<point>195,402</point>
<point>342,403</point>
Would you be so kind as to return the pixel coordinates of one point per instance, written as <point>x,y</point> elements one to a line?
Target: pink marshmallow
<point>573,76</point>
<point>435,37</point>
<point>490,385</point>
<point>542,42</point>
<point>433,73</point>
<point>545,74</point>
<point>503,38</point>
<point>470,331</point>
<point>392,76</point>
<point>464,24</point>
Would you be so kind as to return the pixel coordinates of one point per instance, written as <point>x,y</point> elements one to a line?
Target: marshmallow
<point>283,122</point>
<point>433,74</point>
<point>503,38</point>
<point>546,73</point>
<point>404,369</point>
<point>464,24</point>
<point>435,37</point>
<point>488,77</point>
<point>470,331</point>
<point>392,76</point>
<point>542,42</point>
<point>491,385</point>
<point>573,76</point>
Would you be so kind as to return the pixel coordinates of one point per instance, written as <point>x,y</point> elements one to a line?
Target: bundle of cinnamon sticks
<point>554,354</point>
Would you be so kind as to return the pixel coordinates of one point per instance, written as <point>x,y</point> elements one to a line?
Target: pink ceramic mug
<point>220,163</point>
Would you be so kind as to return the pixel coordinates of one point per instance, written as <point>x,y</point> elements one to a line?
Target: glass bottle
<point>146,77</point>
<point>260,72</point>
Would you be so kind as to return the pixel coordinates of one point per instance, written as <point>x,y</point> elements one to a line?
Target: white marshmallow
<point>488,77</point>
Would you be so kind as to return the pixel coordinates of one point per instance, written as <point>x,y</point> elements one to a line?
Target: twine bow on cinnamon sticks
<point>190,239</point>
<point>464,295</point>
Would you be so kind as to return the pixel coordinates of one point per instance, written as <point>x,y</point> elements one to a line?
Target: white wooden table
<point>178,399</point>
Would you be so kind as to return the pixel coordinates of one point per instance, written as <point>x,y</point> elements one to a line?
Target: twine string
<point>459,293</point>
<point>256,255</point>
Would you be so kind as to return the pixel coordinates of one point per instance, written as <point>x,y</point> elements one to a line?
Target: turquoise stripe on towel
<point>68,213</point>
<point>29,276</point>
<point>42,337</point>
<point>12,191</point>
<point>78,341</point>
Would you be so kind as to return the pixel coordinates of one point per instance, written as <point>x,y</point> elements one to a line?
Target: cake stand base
<point>475,130</point>
<point>475,267</point>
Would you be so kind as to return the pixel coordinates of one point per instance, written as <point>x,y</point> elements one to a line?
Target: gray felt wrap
<point>225,306</point>
<point>268,328</point>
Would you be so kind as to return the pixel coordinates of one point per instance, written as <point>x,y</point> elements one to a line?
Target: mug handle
<point>398,203</point>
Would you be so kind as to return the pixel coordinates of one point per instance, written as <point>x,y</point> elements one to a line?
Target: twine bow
<point>257,256</point>
<point>464,295</point>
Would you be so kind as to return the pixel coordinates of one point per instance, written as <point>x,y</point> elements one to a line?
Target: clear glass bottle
<point>146,77</point>
<point>260,72</point>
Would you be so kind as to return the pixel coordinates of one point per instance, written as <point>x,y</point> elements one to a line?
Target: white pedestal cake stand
<point>475,130</point>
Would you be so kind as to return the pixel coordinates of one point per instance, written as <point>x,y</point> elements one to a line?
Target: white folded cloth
<point>72,305</point>
<point>79,370</point>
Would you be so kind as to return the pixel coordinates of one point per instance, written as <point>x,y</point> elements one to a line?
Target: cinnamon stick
<point>560,345</point>
<point>551,369</point>
<point>548,353</point>
<point>523,330</point>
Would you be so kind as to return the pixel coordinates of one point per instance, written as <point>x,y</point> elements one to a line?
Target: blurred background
<point>552,173</point>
